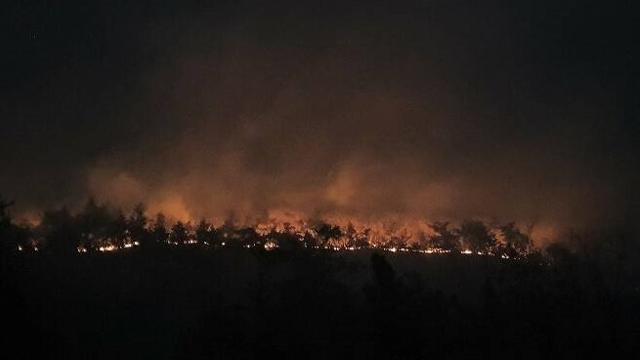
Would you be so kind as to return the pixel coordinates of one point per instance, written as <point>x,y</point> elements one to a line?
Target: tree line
<point>98,227</point>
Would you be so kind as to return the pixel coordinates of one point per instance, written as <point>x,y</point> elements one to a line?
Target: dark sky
<point>514,110</point>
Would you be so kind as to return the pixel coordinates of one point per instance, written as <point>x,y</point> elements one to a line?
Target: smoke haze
<point>425,110</point>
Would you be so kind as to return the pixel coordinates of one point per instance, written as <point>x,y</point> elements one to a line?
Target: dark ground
<point>228,304</point>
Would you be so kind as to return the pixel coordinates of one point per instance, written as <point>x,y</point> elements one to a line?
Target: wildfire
<point>285,231</point>
<point>109,247</point>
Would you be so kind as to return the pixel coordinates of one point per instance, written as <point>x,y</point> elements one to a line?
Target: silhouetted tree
<point>5,216</point>
<point>159,233</point>
<point>93,223</point>
<point>515,242</point>
<point>205,233</point>
<point>227,233</point>
<point>327,232</point>
<point>12,236</point>
<point>309,240</point>
<point>137,225</point>
<point>351,235</point>
<point>443,237</point>
<point>117,231</point>
<point>179,233</point>
<point>363,238</point>
<point>476,236</point>
<point>60,232</point>
<point>286,240</point>
<point>7,233</point>
<point>246,236</point>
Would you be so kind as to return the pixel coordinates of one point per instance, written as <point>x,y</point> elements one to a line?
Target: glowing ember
<point>108,248</point>
<point>270,245</point>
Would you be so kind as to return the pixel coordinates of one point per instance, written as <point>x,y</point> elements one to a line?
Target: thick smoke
<point>362,114</point>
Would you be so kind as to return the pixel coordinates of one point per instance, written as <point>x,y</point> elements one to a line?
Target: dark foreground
<point>239,304</point>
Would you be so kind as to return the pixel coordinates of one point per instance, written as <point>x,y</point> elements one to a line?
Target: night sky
<point>513,110</point>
